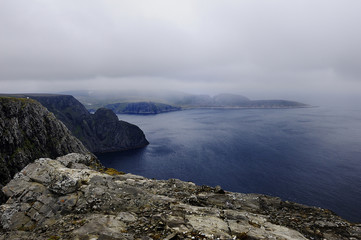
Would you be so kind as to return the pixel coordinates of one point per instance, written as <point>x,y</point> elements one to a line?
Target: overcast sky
<point>275,48</point>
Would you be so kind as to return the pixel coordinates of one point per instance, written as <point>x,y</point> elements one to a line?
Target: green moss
<point>78,222</point>
<point>96,166</point>
<point>27,148</point>
<point>16,152</point>
<point>19,99</point>
<point>27,229</point>
<point>54,237</point>
<point>77,131</point>
<point>112,171</point>
<point>51,116</point>
<point>28,144</point>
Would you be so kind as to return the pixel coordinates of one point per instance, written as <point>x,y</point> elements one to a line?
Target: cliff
<point>114,135</point>
<point>99,132</point>
<point>141,108</point>
<point>65,199</point>
<point>29,131</point>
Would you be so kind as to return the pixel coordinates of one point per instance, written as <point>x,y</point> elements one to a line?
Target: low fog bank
<point>293,50</point>
<point>346,95</point>
<point>346,100</point>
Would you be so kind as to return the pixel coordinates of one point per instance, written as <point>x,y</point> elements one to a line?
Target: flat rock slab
<point>65,199</point>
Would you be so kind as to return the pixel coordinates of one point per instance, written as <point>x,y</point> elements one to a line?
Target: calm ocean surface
<point>311,155</point>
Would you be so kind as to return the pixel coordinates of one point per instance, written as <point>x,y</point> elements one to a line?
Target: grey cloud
<point>247,46</point>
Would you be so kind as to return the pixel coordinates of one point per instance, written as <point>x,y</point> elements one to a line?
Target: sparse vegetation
<point>54,237</point>
<point>112,171</point>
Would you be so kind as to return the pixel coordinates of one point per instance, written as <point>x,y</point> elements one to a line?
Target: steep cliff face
<point>114,135</point>
<point>99,132</point>
<point>29,131</point>
<point>64,199</point>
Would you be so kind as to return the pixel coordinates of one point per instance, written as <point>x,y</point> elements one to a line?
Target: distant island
<point>227,100</point>
<point>154,103</point>
<point>141,108</point>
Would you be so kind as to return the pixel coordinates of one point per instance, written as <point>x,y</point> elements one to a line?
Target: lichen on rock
<point>66,199</point>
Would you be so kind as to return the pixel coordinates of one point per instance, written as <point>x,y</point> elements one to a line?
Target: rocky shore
<point>73,197</point>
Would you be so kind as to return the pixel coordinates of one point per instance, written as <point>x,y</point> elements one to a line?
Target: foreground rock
<point>65,199</point>
<point>29,131</point>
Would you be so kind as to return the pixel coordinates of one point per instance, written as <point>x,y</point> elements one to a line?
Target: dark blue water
<point>311,156</point>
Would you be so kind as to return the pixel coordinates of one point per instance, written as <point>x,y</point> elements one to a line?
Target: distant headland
<point>148,103</point>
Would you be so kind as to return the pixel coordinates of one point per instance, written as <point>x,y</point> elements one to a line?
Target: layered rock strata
<point>65,199</point>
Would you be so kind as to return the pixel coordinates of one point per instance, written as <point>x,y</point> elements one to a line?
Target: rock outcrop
<point>114,135</point>
<point>99,132</point>
<point>65,199</point>
<point>29,131</point>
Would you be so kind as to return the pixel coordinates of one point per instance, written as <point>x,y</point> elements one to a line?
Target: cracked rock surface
<point>29,131</point>
<point>66,199</point>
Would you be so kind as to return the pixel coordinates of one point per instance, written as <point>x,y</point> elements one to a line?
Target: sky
<point>258,48</point>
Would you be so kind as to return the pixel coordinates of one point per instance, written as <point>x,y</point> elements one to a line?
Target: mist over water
<point>311,156</point>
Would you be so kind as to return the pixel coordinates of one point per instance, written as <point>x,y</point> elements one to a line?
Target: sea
<point>307,155</point>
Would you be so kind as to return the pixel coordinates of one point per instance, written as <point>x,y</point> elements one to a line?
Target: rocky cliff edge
<point>29,131</point>
<point>99,132</point>
<point>65,199</point>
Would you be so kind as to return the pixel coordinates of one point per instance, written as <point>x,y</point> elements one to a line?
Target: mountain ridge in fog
<point>97,99</point>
